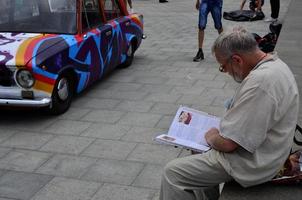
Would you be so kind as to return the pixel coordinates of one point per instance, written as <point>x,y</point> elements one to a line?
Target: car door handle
<point>108,33</point>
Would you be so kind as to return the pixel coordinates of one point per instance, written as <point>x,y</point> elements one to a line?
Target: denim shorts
<point>213,6</point>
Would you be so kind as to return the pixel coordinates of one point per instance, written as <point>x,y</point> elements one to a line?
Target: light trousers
<point>195,177</point>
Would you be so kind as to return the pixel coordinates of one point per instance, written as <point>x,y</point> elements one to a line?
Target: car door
<point>117,21</point>
<point>96,34</point>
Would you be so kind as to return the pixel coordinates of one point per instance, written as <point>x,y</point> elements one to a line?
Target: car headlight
<point>24,78</point>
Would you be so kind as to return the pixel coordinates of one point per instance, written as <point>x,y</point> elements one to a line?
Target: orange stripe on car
<point>44,79</point>
<point>39,85</point>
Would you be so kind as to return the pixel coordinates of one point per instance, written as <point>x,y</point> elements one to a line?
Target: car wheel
<point>62,95</point>
<point>129,56</point>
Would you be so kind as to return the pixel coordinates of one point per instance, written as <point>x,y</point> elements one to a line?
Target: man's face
<point>232,66</point>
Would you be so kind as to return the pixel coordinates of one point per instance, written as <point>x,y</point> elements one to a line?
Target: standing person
<point>204,7</point>
<point>130,5</point>
<point>255,5</point>
<point>256,133</point>
<point>275,7</point>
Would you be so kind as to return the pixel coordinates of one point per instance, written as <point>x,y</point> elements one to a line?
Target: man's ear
<point>236,58</point>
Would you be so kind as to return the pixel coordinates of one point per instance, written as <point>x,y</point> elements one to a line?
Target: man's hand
<point>216,141</point>
<point>197,4</point>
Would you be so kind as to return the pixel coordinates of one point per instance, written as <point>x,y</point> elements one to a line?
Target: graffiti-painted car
<point>53,49</point>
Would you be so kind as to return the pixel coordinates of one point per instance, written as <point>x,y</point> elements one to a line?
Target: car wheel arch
<point>63,92</point>
<point>69,69</point>
<point>134,42</point>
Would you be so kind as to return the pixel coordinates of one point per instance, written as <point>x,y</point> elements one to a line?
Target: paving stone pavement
<point>102,148</point>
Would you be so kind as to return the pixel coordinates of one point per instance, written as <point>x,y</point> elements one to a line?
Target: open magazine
<point>188,129</point>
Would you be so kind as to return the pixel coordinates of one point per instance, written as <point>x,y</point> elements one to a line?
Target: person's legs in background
<point>216,13</point>
<point>275,8</point>
<point>203,17</point>
<point>199,56</point>
<point>130,5</point>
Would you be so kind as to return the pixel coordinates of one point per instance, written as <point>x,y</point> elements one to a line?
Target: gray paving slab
<point>156,88</point>
<point>162,97</point>
<point>140,119</point>
<point>111,191</point>
<point>150,177</point>
<point>110,149</point>
<point>210,84</point>
<point>27,140</point>
<point>6,134</point>
<point>135,106</point>
<point>113,171</point>
<point>66,166</point>
<point>189,90</point>
<point>106,116</point>
<point>165,121</point>
<point>31,125</point>
<point>106,131</point>
<point>151,153</point>
<point>118,86</point>
<point>196,99</point>
<point>4,151</point>
<point>109,94</point>
<point>2,172</point>
<point>67,144</point>
<point>74,113</point>
<point>164,108</point>
<point>67,127</point>
<point>95,103</point>
<point>67,189</point>
<point>23,160</point>
<point>142,134</point>
<point>21,185</point>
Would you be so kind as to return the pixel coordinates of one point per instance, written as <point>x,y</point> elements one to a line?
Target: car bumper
<point>25,102</point>
<point>13,97</point>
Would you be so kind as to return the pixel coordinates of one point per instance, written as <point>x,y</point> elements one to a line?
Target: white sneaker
<point>270,19</point>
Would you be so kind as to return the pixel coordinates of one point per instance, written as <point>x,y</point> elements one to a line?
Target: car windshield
<point>38,16</point>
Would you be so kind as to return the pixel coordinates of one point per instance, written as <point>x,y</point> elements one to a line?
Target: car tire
<point>129,55</point>
<point>62,95</point>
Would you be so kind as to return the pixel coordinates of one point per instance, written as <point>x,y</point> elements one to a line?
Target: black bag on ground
<point>243,15</point>
<point>268,42</point>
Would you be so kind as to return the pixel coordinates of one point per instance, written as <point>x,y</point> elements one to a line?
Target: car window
<point>38,16</point>
<point>62,6</point>
<point>91,16</point>
<point>4,14</point>
<point>111,9</point>
<point>26,9</point>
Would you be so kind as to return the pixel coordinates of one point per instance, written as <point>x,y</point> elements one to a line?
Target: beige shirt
<point>262,120</point>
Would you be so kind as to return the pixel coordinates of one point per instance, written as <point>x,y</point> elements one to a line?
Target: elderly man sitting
<point>256,132</point>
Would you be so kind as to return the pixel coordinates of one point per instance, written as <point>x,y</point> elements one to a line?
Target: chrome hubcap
<point>63,89</point>
<point>129,52</point>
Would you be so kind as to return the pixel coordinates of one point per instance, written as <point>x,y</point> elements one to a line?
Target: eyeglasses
<point>222,66</point>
